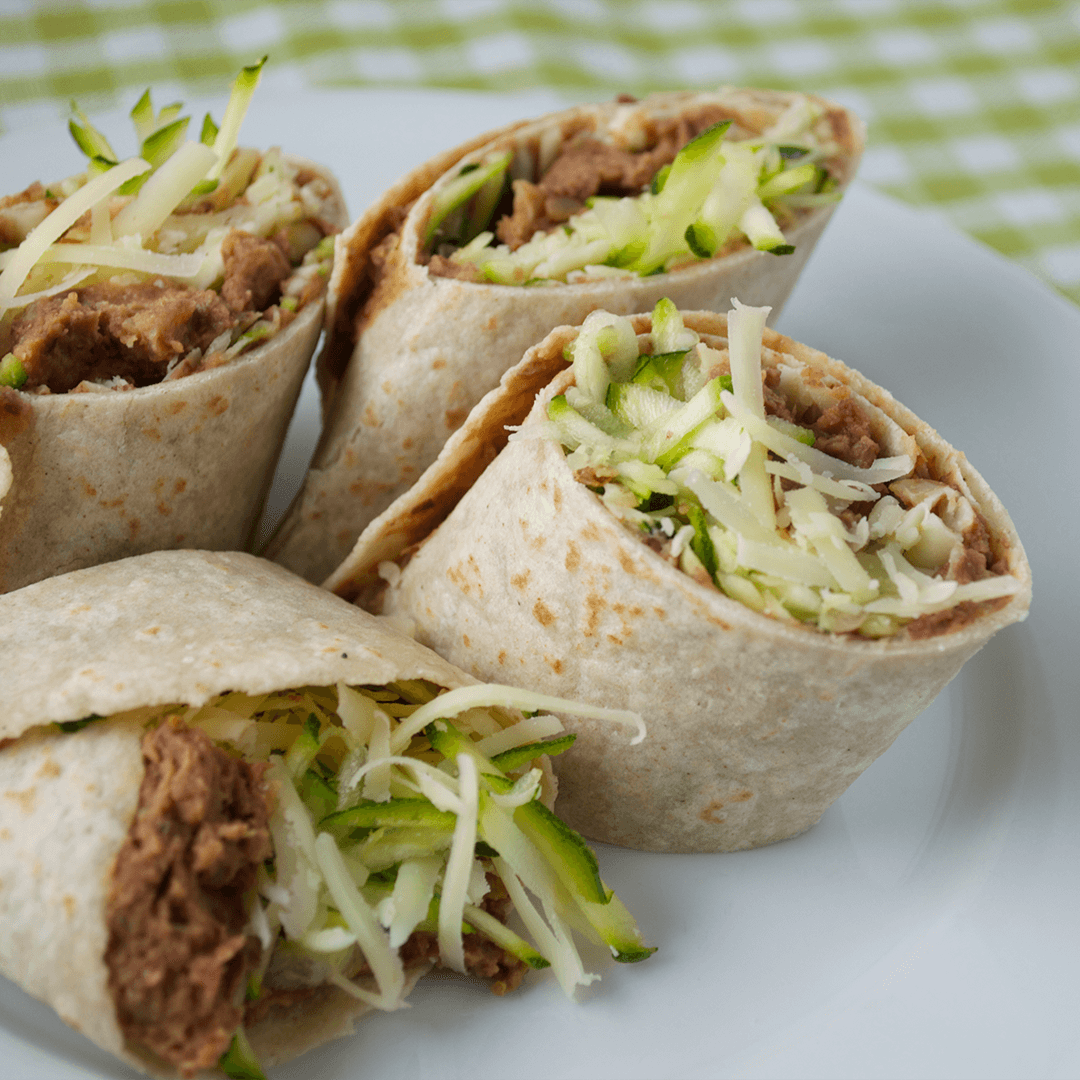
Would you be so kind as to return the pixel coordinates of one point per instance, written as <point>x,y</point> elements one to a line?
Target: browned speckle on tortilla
<point>594,604</point>
<point>492,323</point>
<point>458,578</point>
<point>217,405</point>
<point>590,531</point>
<point>542,613</point>
<point>555,665</point>
<point>454,418</point>
<point>49,769</point>
<point>88,489</point>
<point>25,799</point>
<point>179,487</point>
<point>519,581</point>
<point>502,656</point>
<point>556,498</point>
<point>175,407</point>
<point>438,364</point>
<point>615,640</point>
<point>152,433</point>
<point>371,417</point>
<point>69,905</point>
<point>465,640</point>
<point>573,556</point>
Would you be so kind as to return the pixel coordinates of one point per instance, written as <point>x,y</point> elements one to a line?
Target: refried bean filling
<point>138,331</point>
<point>178,956</point>
<point>584,167</point>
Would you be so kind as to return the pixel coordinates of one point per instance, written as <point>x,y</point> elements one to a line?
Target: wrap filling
<point>772,482</point>
<point>144,270</point>
<point>649,193</point>
<point>335,839</point>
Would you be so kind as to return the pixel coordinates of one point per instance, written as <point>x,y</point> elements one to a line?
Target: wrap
<point>757,720</point>
<point>145,396</point>
<point>199,637</point>
<point>409,353</point>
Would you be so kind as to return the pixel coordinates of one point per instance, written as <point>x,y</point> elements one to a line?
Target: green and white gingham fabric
<point>973,106</point>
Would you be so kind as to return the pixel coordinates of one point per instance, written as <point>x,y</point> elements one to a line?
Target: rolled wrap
<point>90,477</point>
<point>755,725</point>
<point>161,628</point>
<point>408,354</point>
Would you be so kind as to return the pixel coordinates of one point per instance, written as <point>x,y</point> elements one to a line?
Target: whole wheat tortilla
<point>160,628</point>
<point>755,725</point>
<point>408,354</point>
<point>90,477</point>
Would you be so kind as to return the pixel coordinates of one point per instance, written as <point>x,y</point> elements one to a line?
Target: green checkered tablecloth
<point>973,106</point>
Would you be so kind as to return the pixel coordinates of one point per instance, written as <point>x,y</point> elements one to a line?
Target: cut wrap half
<point>157,318</point>
<point>473,257</point>
<point>238,812</point>
<point>750,543</point>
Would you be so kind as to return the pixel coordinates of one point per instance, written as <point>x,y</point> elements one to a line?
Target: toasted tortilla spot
<point>502,656</point>
<point>175,407</point>
<point>556,665</point>
<point>492,323</point>
<point>217,405</point>
<point>88,489</point>
<point>626,562</point>
<point>152,433</point>
<point>519,581</point>
<point>594,604</point>
<point>25,799</point>
<point>465,640</point>
<point>543,614</point>
<point>458,578</point>
<point>454,418</point>
<point>590,531</point>
<point>438,365</point>
<point>573,556</point>
<point>371,418</point>
<point>69,905</point>
<point>49,769</point>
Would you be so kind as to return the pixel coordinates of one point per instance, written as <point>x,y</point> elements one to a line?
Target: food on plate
<point>746,541</point>
<point>470,259</point>
<point>238,813</point>
<point>157,317</point>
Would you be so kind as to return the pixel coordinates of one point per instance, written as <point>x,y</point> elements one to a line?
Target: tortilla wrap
<point>90,477</point>
<point>161,628</point>
<point>158,629</point>
<point>756,725</point>
<point>408,354</point>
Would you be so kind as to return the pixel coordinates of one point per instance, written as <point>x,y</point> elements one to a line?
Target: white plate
<point>927,926</point>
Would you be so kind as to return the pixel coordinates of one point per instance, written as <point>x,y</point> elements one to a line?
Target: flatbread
<point>90,477</point>
<point>160,628</point>
<point>408,354</point>
<point>755,725</point>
